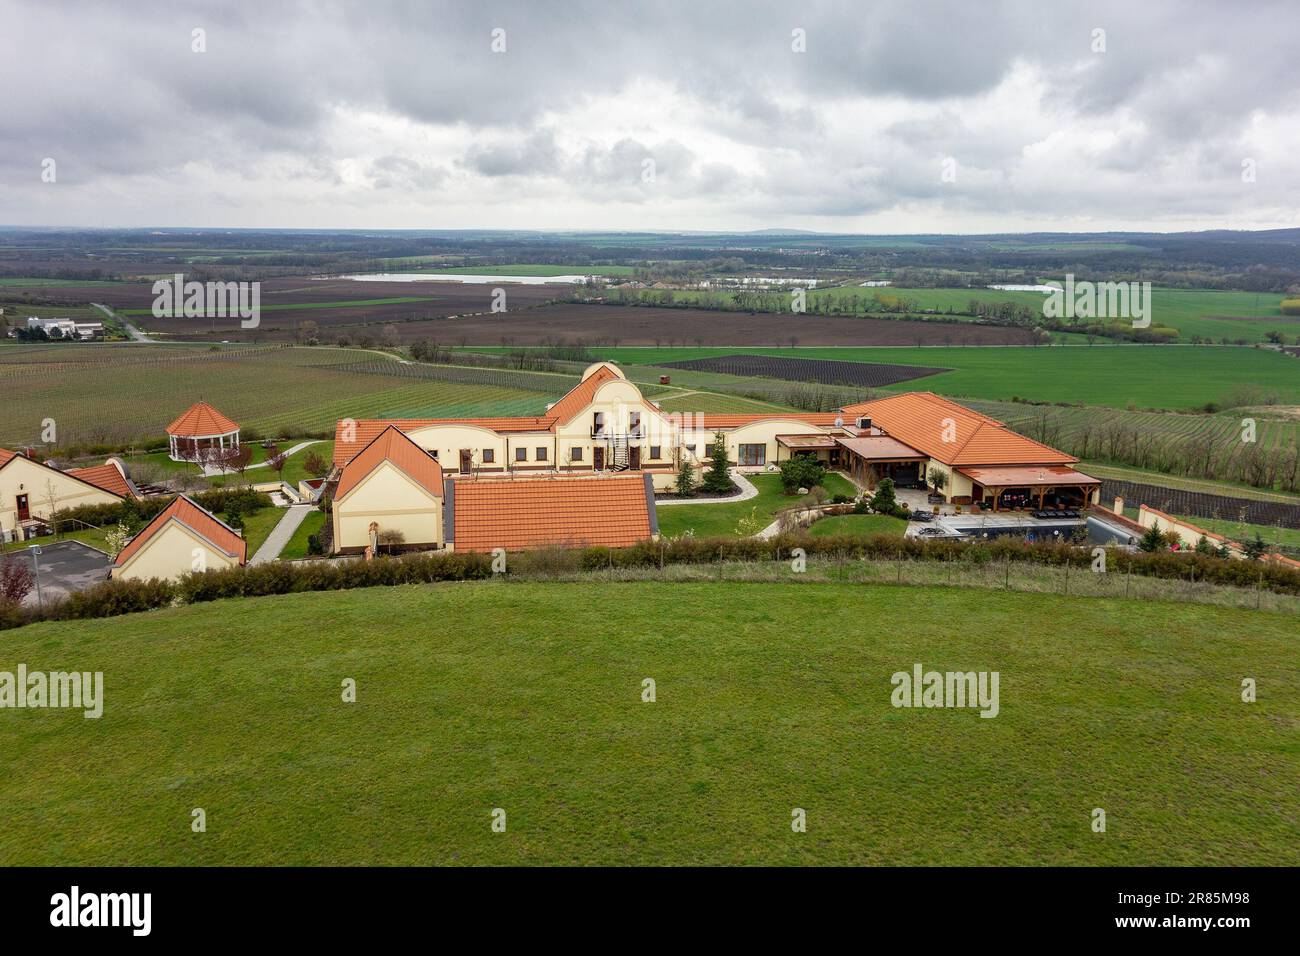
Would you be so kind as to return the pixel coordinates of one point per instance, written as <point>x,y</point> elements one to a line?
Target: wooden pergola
<point>1037,481</point>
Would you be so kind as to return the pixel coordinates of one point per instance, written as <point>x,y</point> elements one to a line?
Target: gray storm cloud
<point>402,114</point>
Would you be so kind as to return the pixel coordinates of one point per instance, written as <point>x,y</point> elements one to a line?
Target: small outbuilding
<point>181,538</point>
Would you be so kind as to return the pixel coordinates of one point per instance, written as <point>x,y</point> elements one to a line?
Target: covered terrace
<point>1032,487</point>
<point>869,459</point>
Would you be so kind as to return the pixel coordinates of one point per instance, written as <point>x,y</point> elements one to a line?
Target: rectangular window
<point>489,455</point>
<point>654,451</point>
<point>433,453</point>
<point>575,453</point>
<point>541,453</point>
<point>634,422</point>
<point>521,454</point>
<point>598,423</point>
<point>708,450</point>
<point>753,454</point>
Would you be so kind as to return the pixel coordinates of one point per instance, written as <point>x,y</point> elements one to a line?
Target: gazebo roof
<point>201,420</point>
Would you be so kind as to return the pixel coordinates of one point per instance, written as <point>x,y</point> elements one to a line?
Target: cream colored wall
<point>757,433</point>
<point>448,440</point>
<point>1188,534</point>
<point>23,476</point>
<point>617,399</point>
<point>172,553</point>
<point>389,497</point>
<point>958,484</point>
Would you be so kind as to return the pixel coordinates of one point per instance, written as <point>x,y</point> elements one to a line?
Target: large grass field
<point>1174,377</point>
<point>1213,313</point>
<point>769,697</point>
<point>109,394</point>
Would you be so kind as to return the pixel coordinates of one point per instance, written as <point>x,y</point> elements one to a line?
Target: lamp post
<point>36,571</point>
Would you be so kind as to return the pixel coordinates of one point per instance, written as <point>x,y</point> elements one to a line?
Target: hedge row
<point>123,597</point>
<point>137,512</point>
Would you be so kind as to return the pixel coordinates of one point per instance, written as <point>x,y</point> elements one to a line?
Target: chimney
<point>1119,505</point>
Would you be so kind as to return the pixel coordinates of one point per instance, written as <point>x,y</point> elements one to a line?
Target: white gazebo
<point>199,429</point>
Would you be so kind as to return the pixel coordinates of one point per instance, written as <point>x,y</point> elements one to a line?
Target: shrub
<point>801,471</point>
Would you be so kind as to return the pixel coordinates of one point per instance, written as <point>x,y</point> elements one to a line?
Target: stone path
<point>281,533</point>
<point>212,470</point>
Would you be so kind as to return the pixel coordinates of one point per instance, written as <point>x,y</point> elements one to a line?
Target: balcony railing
<point>605,432</point>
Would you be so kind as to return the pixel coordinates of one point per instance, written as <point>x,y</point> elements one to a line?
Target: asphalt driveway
<point>62,567</point>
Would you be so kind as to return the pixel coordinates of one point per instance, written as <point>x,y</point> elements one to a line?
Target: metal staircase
<point>618,453</point>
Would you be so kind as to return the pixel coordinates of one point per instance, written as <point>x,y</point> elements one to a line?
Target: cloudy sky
<point>845,117</point>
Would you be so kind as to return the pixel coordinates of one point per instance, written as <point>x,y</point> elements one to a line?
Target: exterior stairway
<point>619,453</point>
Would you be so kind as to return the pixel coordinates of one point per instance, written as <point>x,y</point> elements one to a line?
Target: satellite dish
<point>839,422</point>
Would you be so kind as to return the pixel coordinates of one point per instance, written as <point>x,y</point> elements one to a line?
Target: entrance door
<point>598,458</point>
<point>634,460</point>
<point>466,461</point>
<point>23,511</point>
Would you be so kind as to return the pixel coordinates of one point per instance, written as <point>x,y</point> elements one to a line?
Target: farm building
<point>199,429</point>
<point>181,538</point>
<point>31,491</point>
<point>393,494</point>
<point>388,471</point>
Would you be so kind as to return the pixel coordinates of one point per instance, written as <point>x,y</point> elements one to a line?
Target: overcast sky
<point>657,115</point>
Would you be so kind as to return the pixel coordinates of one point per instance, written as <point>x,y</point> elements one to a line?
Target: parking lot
<point>62,567</point>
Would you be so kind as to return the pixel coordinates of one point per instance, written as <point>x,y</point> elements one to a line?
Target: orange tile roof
<point>821,419</point>
<point>366,430</point>
<point>201,522</point>
<point>201,420</point>
<point>6,454</point>
<point>581,395</point>
<point>613,511</point>
<point>106,477</point>
<point>921,418</point>
<point>392,445</point>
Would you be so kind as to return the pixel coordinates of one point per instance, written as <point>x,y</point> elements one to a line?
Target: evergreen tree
<point>717,480</point>
<point>685,478</point>
<point>1153,540</point>
<point>1256,549</point>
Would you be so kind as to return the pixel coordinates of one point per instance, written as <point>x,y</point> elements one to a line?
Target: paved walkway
<point>747,491</point>
<point>211,470</point>
<point>281,533</point>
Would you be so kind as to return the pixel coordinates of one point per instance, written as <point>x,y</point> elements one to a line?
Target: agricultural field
<point>1197,505</point>
<point>861,374</point>
<point>1188,445</point>
<point>1142,376</point>
<point>1213,314</point>
<point>534,269</point>
<point>769,698</point>
<point>129,393</point>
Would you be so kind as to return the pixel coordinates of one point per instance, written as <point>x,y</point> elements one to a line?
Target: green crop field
<point>769,697</point>
<point>1145,376</point>
<point>116,394</point>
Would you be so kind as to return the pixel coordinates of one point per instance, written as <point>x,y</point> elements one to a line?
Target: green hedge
<point>277,577</point>
<point>138,512</point>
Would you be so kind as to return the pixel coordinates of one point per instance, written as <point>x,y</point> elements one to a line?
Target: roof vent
<point>864,421</point>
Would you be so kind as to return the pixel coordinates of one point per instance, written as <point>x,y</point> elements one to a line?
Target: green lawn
<point>1146,376</point>
<point>297,546</point>
<point>769,697</point>
<point>720,518</point>
<point>258,525</point>
<point>864,525</point>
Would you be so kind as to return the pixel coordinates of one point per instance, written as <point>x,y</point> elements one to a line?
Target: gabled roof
<point>393,446</point>
<point>201,420</point>
<point>362,433</point>
<point>613,511</point>
<point>921,419</point>
<point>106,477</point>
<point>581,395</point>
<point>202,522</point>
<point>96,477</point>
